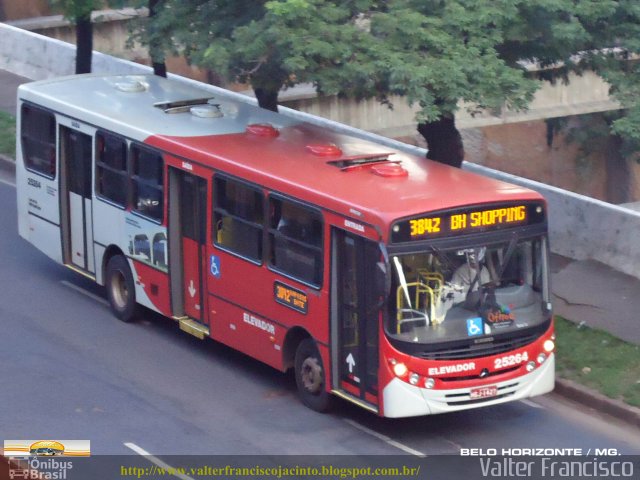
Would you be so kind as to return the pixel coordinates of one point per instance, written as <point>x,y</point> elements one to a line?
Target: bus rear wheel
<point>311,377</point>
<point>121,289</point>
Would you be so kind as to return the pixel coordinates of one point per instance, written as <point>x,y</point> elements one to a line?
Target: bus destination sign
<point>462,222</point>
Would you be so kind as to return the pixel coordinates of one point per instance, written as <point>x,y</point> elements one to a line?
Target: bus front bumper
<point>404,400</point>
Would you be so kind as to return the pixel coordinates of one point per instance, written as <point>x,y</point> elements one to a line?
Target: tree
<point>149,31</point>
<point>79,12</point>
<point>431,52</point>
<point>269,44</point>
<point>155,48</point>
<point>435,53</point>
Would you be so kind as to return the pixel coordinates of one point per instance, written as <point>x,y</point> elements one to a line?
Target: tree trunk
<point>618,183</point>
<point>443,141</point>
<point>267,98</point>
<point>160,69</point>
<point>84,43</point>
<point>156,52</point>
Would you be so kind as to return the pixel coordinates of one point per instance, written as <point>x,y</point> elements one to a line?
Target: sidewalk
<point>601,297</point>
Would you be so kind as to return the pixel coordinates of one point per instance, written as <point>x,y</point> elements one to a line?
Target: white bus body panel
<point>38,205</point>
<point>404,400</point>
<point>108,230</point>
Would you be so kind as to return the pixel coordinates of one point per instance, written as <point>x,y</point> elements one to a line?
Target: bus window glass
<point>238,218</point>
<point>461,294</point>
<point>148,197</point>
<point>295,238</point>
<point>112,177</point>
<point>38,135</point>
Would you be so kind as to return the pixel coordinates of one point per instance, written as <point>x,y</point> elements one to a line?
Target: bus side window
<point>238,218</point>
<point>148,184</point>
<point>38,135</point>
<point>295,237</point>
<point>112,177</point>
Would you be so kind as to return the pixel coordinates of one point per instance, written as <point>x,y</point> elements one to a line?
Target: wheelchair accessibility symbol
<point>215,266</point>
<point>474,326</point>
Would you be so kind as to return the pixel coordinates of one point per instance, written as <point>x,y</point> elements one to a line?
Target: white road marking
<point>532,404</point>
<point>84,292</point>
<point>156,461</point>
<point>385,439</point>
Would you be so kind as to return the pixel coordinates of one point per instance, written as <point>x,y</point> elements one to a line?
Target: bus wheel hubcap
<point>311,375</point>
<point>119,289</point>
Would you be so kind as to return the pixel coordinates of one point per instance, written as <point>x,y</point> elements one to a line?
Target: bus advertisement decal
<point>290,297</point>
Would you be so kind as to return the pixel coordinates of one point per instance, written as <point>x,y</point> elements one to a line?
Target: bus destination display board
<point>467,221</point>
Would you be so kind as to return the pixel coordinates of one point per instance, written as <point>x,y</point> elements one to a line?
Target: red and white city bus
<point>399,284</point>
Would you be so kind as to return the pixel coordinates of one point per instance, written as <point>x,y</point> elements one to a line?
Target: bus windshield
<point>463,293</point>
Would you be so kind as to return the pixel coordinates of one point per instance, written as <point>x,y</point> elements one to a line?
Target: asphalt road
<point>69,370</point>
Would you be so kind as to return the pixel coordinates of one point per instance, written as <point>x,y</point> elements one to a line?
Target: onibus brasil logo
<point>30,459</point>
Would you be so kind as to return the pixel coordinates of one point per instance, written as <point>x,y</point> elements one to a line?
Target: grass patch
<point>7,135</point>
<point>598,360</point>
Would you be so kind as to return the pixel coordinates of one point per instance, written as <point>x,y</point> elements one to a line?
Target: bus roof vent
<point>183,106</point>
<point>131,85</point>
<point>263,130</point>
<point>391,170</point>
<point>358,161</point>
<point>324,150</point>
<point>206,111</point>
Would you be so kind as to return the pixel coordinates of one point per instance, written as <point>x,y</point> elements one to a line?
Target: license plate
<point>484,392</point>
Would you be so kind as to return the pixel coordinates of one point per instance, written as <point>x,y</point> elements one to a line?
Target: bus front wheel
<point>121,289</point>
<point>311,377</point>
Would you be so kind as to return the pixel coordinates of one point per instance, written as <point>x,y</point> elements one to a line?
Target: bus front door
<point>355,317</point>
<point>187,243</point>
<point>76,160</point>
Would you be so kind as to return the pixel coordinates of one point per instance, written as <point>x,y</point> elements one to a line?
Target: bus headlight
<point>400,369</point>
<point>541,358</point>
<point>548,346</point>
<point>413,378</point>
<point>531,366</point>
<point>429,383</point>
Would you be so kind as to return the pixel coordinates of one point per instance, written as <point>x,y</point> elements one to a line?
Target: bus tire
<point>121,290</point>
<point>311,378</point>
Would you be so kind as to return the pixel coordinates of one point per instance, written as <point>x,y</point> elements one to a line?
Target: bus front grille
<point>482,350</point>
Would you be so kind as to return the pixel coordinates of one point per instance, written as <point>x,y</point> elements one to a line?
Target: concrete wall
<point>37,57</point>
<point>111,29</point>
<point>581,227</point>
<point>15,9</point>
<point>586,93</point>
<point>585,228</point>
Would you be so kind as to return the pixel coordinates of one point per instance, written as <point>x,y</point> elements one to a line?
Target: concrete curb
<point>592,399</point>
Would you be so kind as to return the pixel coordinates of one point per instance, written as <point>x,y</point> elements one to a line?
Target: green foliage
<point>435,53</point>
<point>438,53</point>
<point>7,135</point>
<point>73,9</point>
<point>270,44</point>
